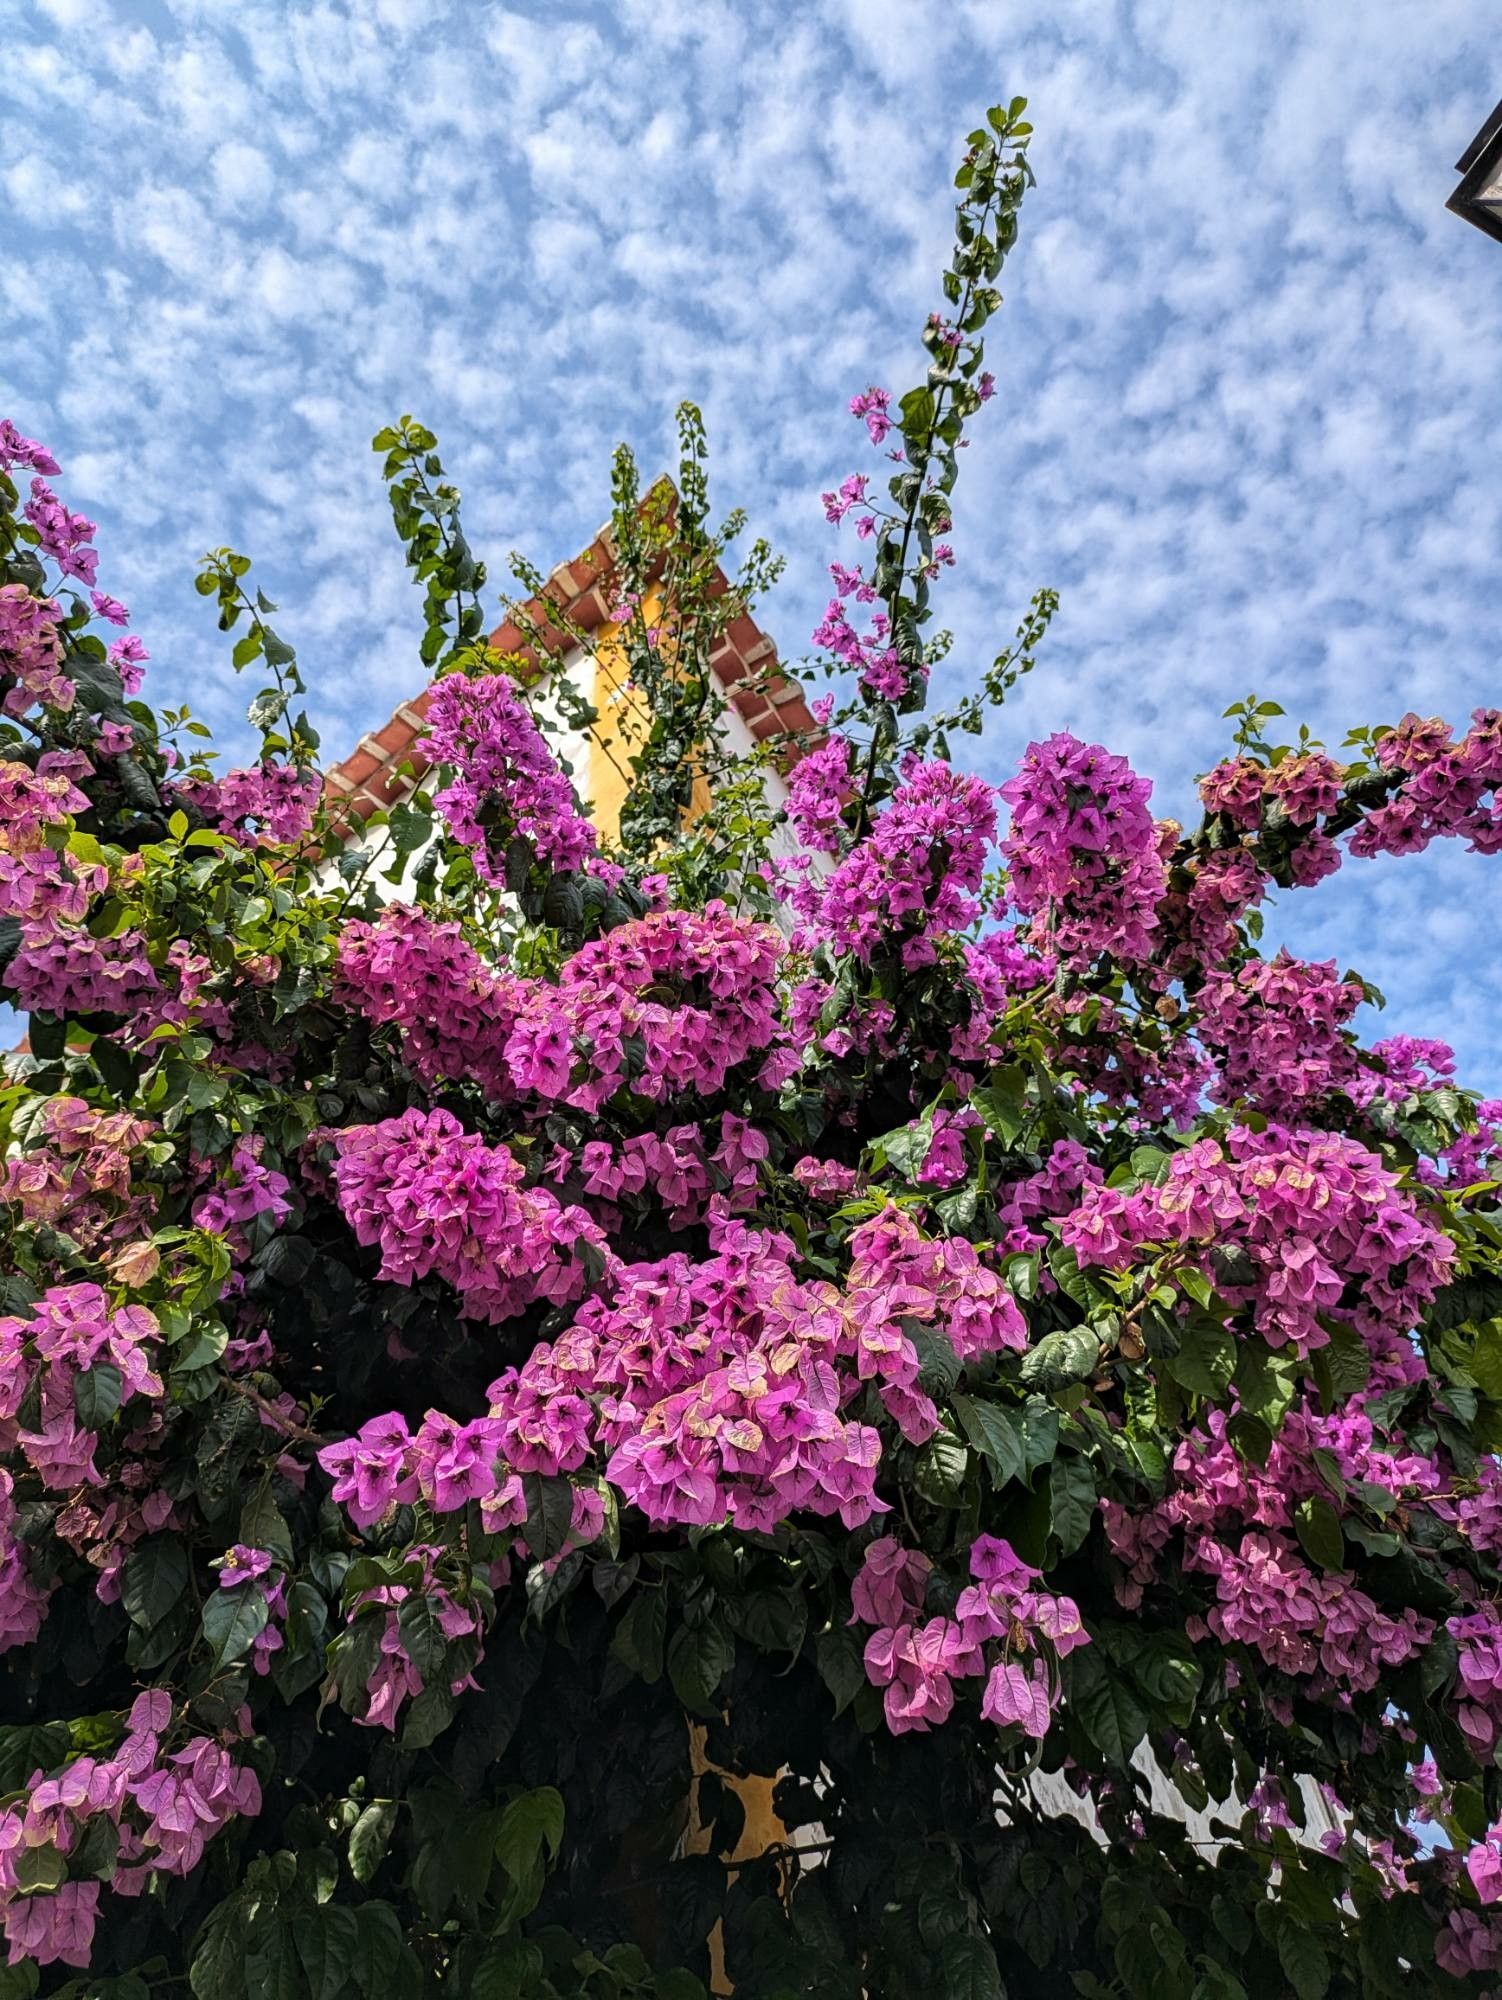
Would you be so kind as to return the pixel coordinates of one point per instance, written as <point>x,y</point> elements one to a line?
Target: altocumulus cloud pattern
<point>1247,421</point>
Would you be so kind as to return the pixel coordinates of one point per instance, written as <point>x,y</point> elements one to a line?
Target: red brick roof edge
<point>372,776</point>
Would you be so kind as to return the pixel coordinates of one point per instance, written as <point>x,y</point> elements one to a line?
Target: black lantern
<point>1479,196</point>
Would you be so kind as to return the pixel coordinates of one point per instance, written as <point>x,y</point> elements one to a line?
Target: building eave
<point>387,765</point>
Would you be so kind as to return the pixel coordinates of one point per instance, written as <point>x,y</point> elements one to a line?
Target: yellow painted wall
<point>610,745</point>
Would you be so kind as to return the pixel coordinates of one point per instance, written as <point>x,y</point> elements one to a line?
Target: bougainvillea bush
<point>509,1336</point>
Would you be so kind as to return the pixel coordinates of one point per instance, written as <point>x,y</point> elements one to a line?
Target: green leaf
<point>679,1984</point>
<point>1437,1664</point>
<point>369,1838</point>
<point>841,1665</point>
<point>907,1147</point>
<point>1061,1358</point>
<point>1206,1358</point>
<point>969,1970</point>
<point>509,1968</point>
<point>699,1658</point>
<point>550,1511</point>
<point>1304,1963</point>
<point>773,1620</point>
<point>428,1717</point>
<point>641,1635</point>
<point>408,828</point>
<point>262,1525</point>
<point>421,1635</point>
<point>1105,1706</point>
<point>39,1869</point>
<point>563,903</point>
<point>939,1473</point>
<point>383,1964</point>
<point>28,1747</point>
<point>96,1395</point>
<point>1195,1285</point>
<point>1266,1382</point>
<point>997,1434</point>
<point>1466,1302</point>
<point>939,1366</point>
<point>1001,1105</point>
<point>529,1824</point>
<point>154,1581</point>
<point>1485,1360</point>
<point>218,1968</point>
<point>327,1938</point>
<point>1317,1526</point>
<point>1071,1501</point>
<point>1342,1368</point>
<point>287,1260</point>
<point>232,1621</point>
<point>1165,1668</point>
<point>1040,1432</point>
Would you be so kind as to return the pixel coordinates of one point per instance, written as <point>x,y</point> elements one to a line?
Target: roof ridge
<point>386,764</point>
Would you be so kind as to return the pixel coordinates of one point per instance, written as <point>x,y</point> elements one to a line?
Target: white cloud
<point>1247,419</point>
<point>242,176</point>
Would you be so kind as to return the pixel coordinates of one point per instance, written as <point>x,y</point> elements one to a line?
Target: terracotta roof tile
<point>369,777</point>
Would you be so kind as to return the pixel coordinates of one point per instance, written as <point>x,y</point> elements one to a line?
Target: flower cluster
<point>1200,927</point>
<point>395,1676</point>
<point>1298,790</point>
<point>72,1334</point>
<point>62,534</point>
<point>718,1395</point>
<point>1237,1519</point>
<point>670,1003</point>
<point>17,450</point>
<point>246,1189</point>
<point>66,971</point>
<point>506,781</point>
<point>447,1464</point>
<point>817,791</point>
<point>1324,1225</point>
<point>37,883</point>
<point>23,1601</point>
<point>715,1391</point>
<point>916,873</point>
<point>677,1166</point>
<point>1448,788</point>
<point>997,1624</point>
<point>869,655</point>
<point>874,406</point>
<point>1469,1943</point>
<point>164,1805</point>
<point>1478,1638</point>
<point>850,494</point>
<point>1085,854</point>
<point>30,652</point>
<point>438,1200</point>
<point>1302,1620</point>
<point>1275,1027</point>
<point>260,1572</point>
<point>80,1179</point>
<point>1150,1077</point>
<point>694,992</point>
<point>277,802</point>
<point>31,800</point>
<point>423,977</point>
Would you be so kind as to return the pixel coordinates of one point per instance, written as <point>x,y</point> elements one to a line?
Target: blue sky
<point>1248,421</point>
